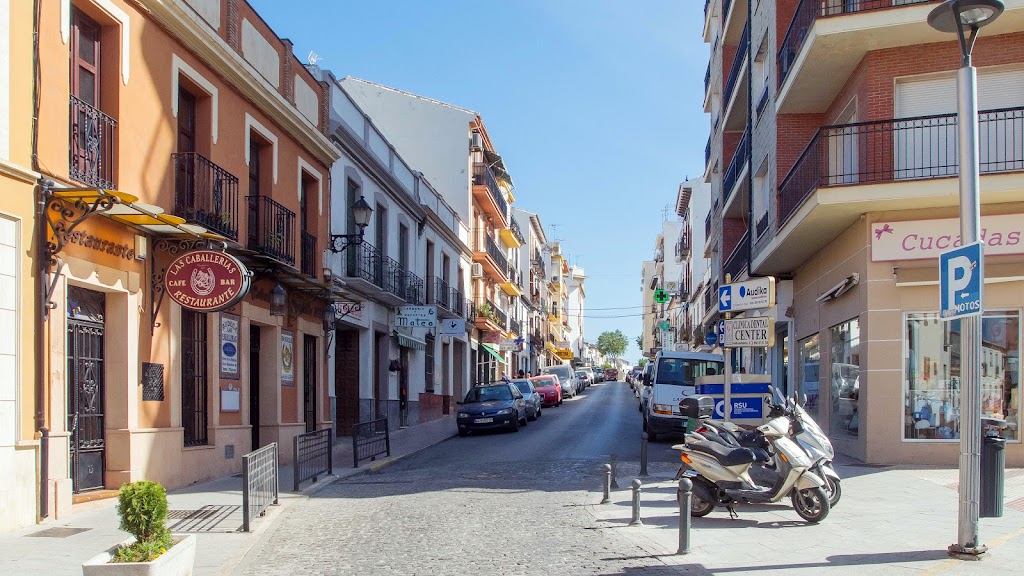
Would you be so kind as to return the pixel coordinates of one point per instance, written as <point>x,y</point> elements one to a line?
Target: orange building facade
<point>167,127</point>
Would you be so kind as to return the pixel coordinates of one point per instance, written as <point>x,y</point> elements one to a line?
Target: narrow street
<point>497,503</point>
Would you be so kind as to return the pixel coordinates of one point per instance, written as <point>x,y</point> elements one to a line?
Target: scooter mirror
<point>803,400</point>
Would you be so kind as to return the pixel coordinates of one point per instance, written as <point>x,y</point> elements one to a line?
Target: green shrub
<point>142,507</point>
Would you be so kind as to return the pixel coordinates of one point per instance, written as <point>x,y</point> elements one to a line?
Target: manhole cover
<point>58,532</point>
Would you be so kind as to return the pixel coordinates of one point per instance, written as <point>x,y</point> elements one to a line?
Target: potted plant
<point>154,551</point>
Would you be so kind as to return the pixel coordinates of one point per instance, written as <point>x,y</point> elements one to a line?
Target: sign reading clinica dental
<point>206,280</point>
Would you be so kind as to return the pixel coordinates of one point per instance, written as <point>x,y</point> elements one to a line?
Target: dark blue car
<point>491,407</point>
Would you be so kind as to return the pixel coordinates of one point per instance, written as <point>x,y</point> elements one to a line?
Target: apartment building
<point>558,296</point>
<point>576,305</point>
<point>833,163</point>
<point>693,203</point>
<point>535,300</point>
<point>453,149</point>
<point>651,310</point>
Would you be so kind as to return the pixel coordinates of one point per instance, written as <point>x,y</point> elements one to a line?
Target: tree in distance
<point>640,343</point>
<point>612,343</point>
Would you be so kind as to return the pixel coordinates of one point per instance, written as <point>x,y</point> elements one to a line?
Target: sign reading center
<point>758,332</point>
<point>206,281</point>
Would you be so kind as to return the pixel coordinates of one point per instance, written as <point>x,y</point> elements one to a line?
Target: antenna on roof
<point>312,58</point>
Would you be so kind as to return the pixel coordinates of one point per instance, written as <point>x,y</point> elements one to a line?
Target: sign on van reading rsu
<point>206,280</point>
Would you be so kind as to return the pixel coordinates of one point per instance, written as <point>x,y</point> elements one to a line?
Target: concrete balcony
<point>898,164</point>
<point>493,260</point>
<point>735,93</point>
<point>734,183</point>
<point>488,193</point>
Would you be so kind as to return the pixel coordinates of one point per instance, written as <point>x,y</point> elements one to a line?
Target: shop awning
<point>126,209</point>
<point>494,353</point>
<point>410,341</point>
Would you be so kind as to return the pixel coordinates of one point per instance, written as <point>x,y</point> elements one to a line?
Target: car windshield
<point>581,374</point>
<point>523,385</point>
<point>489,394</point>
<point>562,372</point>
<point>685,371</point>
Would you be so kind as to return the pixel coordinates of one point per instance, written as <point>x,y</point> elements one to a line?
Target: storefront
<point>879,367</point>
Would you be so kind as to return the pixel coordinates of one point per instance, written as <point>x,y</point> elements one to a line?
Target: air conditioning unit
<point>477,270</point>
<point>476,141</point>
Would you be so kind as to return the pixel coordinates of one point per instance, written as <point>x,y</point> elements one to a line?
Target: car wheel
<point>463,432</point>
<point>525,419</point>
<point>537,415</point>
<point>515,424</point>
<point>536,412</point>
<point>652,436</point>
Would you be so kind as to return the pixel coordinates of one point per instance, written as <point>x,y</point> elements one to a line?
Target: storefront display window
<point>808,375</point>
<point>932,374</point>
<point>845,378</point>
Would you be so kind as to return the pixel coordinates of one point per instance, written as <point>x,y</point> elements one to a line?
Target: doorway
<point>309,381</point>
<point>381,375</point>
<point>346,380</point>
<point>85,394</point>
<point>254,384</point>
<point>403,387</point>
<point>458,361</point>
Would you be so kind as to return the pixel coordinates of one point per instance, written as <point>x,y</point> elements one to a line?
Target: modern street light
<point>961,17</point>
<point>361,213</point>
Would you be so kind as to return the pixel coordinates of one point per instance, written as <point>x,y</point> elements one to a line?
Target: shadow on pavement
<point>880,558</point>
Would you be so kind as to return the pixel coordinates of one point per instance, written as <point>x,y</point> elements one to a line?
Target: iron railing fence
<point>456,299</point>
<point>707,78</point>
<point>260,484</point>
<point>312,456</point>
<point>739,160</point>
<point>206,194</point>
<point>414,289</point>
<point>483,176</point>
<point>515,326</point>
<point>517,231</point>
<point>308,256</point>
<point>364,261</point>
<point>810,10</point>
<point>502,317</point>
<point>899,149</point>
<point>711,296</point>
<point>737,63</point>
<point>707,152</point>
<point>737,261</point>
<point>470,307</point>
<point>91,150</point>
<point>271,229</point>
<point>443,294</point>
<point>707,226</point>
<point>369,440</point>
<point>495,252</point>
<point>395,277</point>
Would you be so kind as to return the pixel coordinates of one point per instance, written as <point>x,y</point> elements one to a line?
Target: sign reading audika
<point>206,281</point>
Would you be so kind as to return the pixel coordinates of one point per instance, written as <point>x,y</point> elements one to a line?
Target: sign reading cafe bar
<point>206,280</point>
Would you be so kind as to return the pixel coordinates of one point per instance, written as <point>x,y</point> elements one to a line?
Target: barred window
<point>194,415</point>
<point>428,365</point>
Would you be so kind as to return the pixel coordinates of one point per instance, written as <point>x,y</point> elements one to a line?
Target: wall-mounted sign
<point>453,327</point>
<point>230,398</point>
<point>926,239</point>
<point>350,310</point>
<point>564,354</point>
<point>229,324</point>
<point>416,317</point>
<point>287,359</point>
<point>757,332</point>
<point>101,245</point>
<point>508,345</point>
<point>206,281</point>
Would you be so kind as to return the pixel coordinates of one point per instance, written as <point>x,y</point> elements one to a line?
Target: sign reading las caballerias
<point>206,280</point>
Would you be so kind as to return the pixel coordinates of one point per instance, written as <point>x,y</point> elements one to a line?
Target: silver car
<point>566,378</point>
<point>530,395</point>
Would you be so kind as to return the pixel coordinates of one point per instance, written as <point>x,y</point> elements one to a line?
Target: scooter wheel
<point>811,504</point>
<point>698,507</point>
<point>834,491</point>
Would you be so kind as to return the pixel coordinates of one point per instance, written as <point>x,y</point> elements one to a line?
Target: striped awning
<point>410,341</point>
<point>495,353</point>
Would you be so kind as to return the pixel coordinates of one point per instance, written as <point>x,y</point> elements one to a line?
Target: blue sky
<point>596,106</point>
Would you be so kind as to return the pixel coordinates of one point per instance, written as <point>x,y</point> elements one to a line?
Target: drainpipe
<point>40,312</point>
<point>751,223</point>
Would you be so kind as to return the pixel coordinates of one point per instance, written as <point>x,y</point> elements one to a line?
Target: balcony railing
<point>497,316</point>
<point>206,194</point>
<point>737,261</point>
<point>762,101</point>
<point>309,256</point>
<point>271,229</point>
<point>707,152</point>
<point>707,78</point>
<point>364,261</point>
<point>470,307</point>
<point>516,231</point>
<point>515,276</point>
<point>515,326</point>
<point>483,176</point>
<point>414,289</point>
<point>737,63</point>
<point>494,252</point>
<point>396,279</point>
<point>443,295</point>
<point>92,145</point>
<point>810,10</point>
<point>726,4</point>
<point>457,302</point>
<point>899,149</point>
<point>739,160</point>
<point>707,227</point>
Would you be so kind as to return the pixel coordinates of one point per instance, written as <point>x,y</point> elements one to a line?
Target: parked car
<point>584,378</point>
<point>531,396</point>
<point>566,378</point>
<point>548,389</point>
<point>611,374</point>
<point>596,374</point>
<point>490,407</point>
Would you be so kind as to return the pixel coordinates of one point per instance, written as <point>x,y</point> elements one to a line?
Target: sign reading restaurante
<point>206,281</point>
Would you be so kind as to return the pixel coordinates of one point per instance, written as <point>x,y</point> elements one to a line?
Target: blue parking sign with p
<point>961,281</point>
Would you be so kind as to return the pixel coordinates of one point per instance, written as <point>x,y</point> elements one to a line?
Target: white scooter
<point>721,473</point>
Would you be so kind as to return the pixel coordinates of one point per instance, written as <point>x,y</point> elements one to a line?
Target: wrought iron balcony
<point>515,326</point>
<point>810,10</point>
<point>456,298</point>
<point>711,297</point>
<point>205,194</point>
<point>414,289</point>
<point>739,160</point>
<point>92,145</point>
<point>516,231</point>
<point>271,229</point>
<point>442,295</point>
<point>897,150</point>
<point>707,152</point>
<point>737,261</point>
<point>515,276</point>
<point>483,176</point>
<point>707,78</point>
<point>470,308</point>
<point>495,253</point>
<point>707,227</point>
<point>396,278</point>
<point>737,63</point>
<point>363,260</point>
<point>499,314</point>
<point>308,257</point>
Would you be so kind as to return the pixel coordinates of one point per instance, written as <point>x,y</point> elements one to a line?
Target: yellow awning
<point>126,209</point>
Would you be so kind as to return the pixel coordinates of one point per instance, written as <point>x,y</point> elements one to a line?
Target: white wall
<point>700,205</point>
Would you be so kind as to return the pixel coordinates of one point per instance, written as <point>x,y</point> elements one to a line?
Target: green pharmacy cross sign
<point>661,296</point>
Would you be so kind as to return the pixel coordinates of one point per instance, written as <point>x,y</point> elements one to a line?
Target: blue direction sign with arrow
<point>748,295</point>
<point>961,281</point>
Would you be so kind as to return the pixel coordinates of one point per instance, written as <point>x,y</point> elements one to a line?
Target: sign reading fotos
<point>229,325</point>
<point>287,359</point>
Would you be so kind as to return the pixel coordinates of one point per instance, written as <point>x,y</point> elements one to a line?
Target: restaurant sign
<point>206,280</point>
<point>926,239</point>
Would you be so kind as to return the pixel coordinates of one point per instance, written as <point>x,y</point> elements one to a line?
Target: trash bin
<point>993,468</point>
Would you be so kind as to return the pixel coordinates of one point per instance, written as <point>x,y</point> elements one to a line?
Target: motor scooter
<point>721,473</point>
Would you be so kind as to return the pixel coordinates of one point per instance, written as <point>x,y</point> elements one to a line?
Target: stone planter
<point>177,561</point>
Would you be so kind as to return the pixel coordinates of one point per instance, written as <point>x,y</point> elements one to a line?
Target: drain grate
<point>58,532</point>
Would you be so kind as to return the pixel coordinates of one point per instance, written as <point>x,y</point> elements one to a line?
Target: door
<point>346,380</point>
<point>309,381</point>
<point>85,392</point>
<point>458,360</point>
<point>186,177</point>
<point>254,384</point>
<point>88,127</point>
<point>381,376</point>
<point>403,387</point>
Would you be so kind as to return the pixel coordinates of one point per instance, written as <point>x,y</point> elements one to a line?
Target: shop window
<point>845,378</point>
<point>933,381</point>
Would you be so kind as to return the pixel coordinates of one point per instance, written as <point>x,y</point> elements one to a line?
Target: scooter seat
<point>726,455</point>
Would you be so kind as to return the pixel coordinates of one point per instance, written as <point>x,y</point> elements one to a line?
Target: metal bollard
<point>636,504</point>
<point>615,484</point>
<point>643,454</point>
<point>607,484</point>
<point>685,488</point>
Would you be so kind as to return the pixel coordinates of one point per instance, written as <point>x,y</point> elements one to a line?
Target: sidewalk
<point>890,520</point>
<point>211,510</point>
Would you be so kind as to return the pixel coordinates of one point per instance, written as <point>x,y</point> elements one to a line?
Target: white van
<point>674,377</point>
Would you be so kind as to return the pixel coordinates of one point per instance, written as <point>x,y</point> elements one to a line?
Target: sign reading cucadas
<point>206,281</point>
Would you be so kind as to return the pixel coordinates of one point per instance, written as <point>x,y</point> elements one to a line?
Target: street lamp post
<point>961,17</point>
<point>361,212</point>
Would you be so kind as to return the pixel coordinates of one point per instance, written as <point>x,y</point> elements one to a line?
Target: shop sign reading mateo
<point>926,239</point>
<point>206,280</point>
